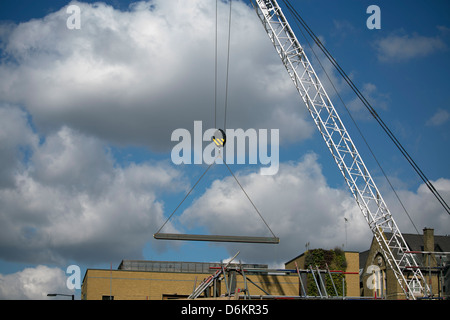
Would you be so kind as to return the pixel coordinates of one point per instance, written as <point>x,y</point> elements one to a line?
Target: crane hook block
<point>219,138</point>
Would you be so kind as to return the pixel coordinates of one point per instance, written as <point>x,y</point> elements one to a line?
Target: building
<point>349,269</point>
<point>431,253</point>
<point>156,280</point>
<point>315,273</point>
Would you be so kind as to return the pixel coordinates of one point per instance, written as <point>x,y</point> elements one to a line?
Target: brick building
<point>156,280</point>
<point>432,254</point>
<point>351,272</point>
<point>365,275</point>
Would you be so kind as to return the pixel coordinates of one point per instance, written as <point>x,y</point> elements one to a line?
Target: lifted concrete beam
<point>215,238</point>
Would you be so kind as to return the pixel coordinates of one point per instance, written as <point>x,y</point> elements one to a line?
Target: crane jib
<point>375,211</point>
<point>268,4</point>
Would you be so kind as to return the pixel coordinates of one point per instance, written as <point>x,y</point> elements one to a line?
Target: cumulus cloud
<point>90,209</point>
<point>297,203</point>
<point>402,47</point>
<point>423,208</point>
<point>124,78</point>
<point>134,76</point>
<point>16,141</point>
<point>70,200</point>
<point>33,283</point>
<point>439,118</point>
<point>301,207</point>
<point>379,100</point>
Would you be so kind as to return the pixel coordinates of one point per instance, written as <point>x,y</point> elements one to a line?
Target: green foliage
<point>335,260</point>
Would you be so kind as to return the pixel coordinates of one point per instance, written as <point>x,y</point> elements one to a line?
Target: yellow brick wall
<point>285,285</point>
<point>352,280</point>
<point>300,262</point>
<point>140,285</point>
<point>136,285</point>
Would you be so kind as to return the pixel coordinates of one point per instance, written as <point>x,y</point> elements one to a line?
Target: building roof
<point>415,242</point>
<point>442,243</point>
<point>177,266</point>
<point>302,254</point>
<point>363,258</point>
<point>295,258</point>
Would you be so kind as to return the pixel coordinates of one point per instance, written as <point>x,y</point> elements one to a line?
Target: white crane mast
<point>385,230</point>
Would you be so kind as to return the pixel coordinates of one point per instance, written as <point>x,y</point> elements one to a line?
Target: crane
<point>363,188</point>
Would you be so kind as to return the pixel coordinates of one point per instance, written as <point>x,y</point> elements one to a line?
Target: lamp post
<point>61,294</point>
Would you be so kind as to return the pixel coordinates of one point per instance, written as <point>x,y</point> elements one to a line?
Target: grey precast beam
<point>215,238</point>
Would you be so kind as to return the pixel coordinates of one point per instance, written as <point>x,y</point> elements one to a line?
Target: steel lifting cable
<point>215,72</point>
<point>227,66</point>
<point>243,190</point>
<point>225,116</point>
<point>187,194</point>
<point>215,121</point>
<point>226,238</point>
<point>369,107</point>
<point>229,238</point>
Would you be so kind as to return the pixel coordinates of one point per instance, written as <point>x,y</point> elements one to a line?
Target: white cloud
<point>403,47</point>
<point>297,203</point>
<point>134,76</point>
<point>16,139</point>
<point>300,206</point>
<point>70,200</point>
<point>439,118</point>
<point>423,208</point>
<point>377,99</point>
<point>128,78</point>
<point>33,283</point>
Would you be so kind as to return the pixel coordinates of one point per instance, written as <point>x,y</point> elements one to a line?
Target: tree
<point>334,260</point>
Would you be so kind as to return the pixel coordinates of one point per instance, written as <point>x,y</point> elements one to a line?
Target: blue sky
<point>87,116</point>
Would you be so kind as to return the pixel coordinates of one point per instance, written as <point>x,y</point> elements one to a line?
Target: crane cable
<point>226,107</point>
<point>227,66</point>
<point>215,73</point>
<point>215,125</point>
<point>369,107</point>
<point>185,197</point>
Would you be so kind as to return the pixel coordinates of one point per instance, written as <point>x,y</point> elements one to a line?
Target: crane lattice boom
<point>362,186</point>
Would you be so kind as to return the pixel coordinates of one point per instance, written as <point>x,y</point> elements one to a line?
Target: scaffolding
<point>208,288</point>
<point>435,264</point>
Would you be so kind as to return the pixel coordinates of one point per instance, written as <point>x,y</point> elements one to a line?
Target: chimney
<point>428,245</point>
<point>428,239</point>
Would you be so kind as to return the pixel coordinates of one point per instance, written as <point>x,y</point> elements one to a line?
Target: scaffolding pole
<point>207,282</point>
<point>315,272</point>
<point>332,281</point>
<point>300,278</point>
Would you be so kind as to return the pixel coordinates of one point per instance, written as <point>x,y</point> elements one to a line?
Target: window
<point>107,297</point>
<point>415,286</point>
